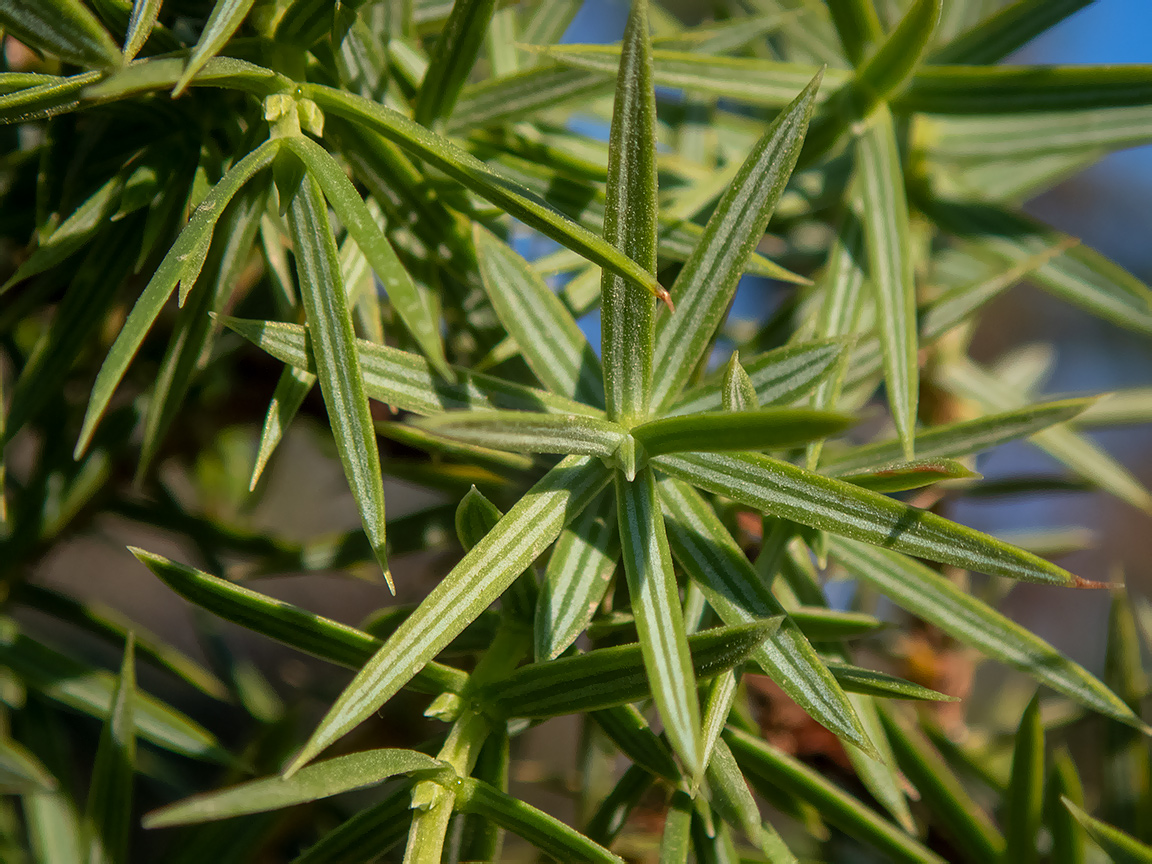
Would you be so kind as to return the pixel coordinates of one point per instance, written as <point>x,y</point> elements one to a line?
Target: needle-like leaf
<point>548,337</point>
<point>765,764</point>
<point>886,234</point>
<point>782,489</point>
<point>545,832</point>
<point>578,572</point>
<point>710,557</point>
<point>475,175</point>
<point>937,600</point>
<point>523,432</point>
<point>291,625</point>
<point>1120,847</point>
<point>778,377</point>
<point>362,227</point>
<point>181,265</point>
<point>144,14</point>
<point>452,59</point>
<point>659,620</point>
<point>627,317</point>
<point>108,818</point>
<point>65,28</point>
<point>707,282</point>
<point>226,17</point>
<point>1025,788</point>
<point>489,568</point>
<point>609,677</point>
<point>330,777</point>
<point>760,429</point>
<point>406,380</point>
<point>333,347</point>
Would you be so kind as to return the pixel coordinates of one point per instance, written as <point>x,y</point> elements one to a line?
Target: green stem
<point>434,803</point>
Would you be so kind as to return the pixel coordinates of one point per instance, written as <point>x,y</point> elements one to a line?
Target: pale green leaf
<point>226,17</point>
<point>472,173</point>
<point>937,600</point>
<point>578,573</point>
<point>890,267</point>
<point>659,619</point>
<point>706,283</point>
<point>760,82</point>
<point>1076,451</point>
<point>523,432</point>
<point>406,380</point>
<point>322,780</point>
<point>739,393</point>
<point>781,489</point>
<point>549,338</point>
<point>521,94</point>
<point>627,317</point>
<point>485,572</point>
<point>778,377</point>
<point>144,14</point>
<point>953,440</point>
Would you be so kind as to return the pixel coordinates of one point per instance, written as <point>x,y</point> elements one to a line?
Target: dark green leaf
<point>452,59</point>
<point>766,764</point>
<point>108,817</point>
<point>612,676</point>
<point>65,28</point>
<point>286,623</point>
<point>762,429</point>
<point>1119,846</point>
<point>226,17</point>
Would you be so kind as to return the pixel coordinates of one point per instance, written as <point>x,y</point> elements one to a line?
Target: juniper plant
<point>349,187</point>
